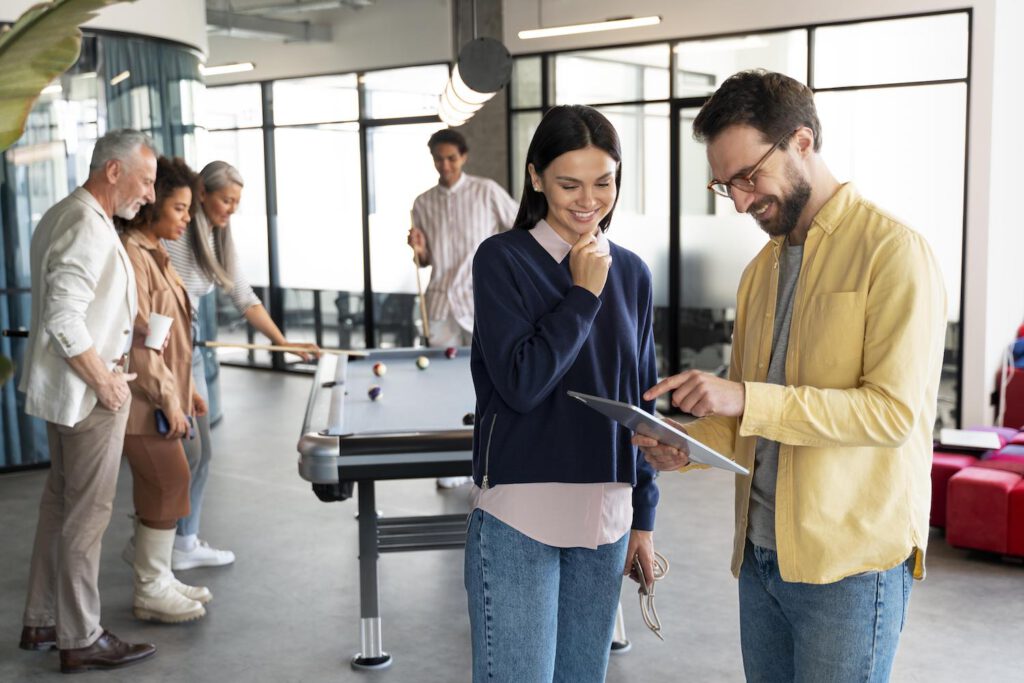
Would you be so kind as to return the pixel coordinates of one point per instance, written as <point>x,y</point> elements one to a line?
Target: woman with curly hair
<point>164,400</point>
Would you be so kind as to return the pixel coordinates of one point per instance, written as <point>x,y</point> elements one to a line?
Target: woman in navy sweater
<point>562,503</point>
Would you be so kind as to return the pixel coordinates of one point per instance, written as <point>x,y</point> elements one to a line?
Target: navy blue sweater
<point>537,336</point>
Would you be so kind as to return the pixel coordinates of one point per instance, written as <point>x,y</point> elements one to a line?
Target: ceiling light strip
<point>226,69</point>
<point>593,27</point>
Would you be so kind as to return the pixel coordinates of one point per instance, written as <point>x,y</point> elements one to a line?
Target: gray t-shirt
<point>761,515</point>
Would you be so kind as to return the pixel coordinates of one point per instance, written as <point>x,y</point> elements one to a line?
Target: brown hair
<point>447,136</point>
<point>773,103</point>
<point>171,175</point>
<point>563,129</point>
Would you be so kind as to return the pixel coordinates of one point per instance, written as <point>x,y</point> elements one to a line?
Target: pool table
<point>415,428</point>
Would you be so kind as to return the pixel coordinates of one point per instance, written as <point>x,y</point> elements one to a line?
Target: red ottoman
<point>986,508</point>
<point>1010,451</point>
<point>944,466</point>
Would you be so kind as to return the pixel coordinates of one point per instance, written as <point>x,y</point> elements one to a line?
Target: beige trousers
<point>73,514</point>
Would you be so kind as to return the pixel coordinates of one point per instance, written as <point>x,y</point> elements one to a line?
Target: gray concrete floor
<point>288,609</point>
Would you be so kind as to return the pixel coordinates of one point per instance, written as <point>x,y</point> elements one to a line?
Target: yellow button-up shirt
<point>855,418</point>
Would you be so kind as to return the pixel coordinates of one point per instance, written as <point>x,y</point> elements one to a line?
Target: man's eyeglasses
<point>747,183</point>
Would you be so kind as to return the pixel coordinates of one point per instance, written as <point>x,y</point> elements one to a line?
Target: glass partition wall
<point>892,96</point>
<point>335,163</point>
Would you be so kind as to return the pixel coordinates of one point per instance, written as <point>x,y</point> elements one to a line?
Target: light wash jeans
<point>831,633</point>
<point>538,613</point>
<point>198,451</point>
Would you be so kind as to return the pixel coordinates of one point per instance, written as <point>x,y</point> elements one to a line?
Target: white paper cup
<point>159,327</point>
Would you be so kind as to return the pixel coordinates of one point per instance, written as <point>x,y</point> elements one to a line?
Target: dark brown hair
<point>564,129</point>
<point>447,136</point>
<point>171,174</point>
<point>773,103</point>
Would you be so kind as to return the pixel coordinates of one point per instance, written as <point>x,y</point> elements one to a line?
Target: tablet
<point>646,424</point>
<point>969,439</point>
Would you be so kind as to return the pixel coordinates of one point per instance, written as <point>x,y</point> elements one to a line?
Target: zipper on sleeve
<point>487,454</point>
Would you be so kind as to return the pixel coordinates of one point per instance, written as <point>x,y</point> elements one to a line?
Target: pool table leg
<point>372,655</point>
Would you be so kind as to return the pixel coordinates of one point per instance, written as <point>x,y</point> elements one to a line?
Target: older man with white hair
<point>83,306</point>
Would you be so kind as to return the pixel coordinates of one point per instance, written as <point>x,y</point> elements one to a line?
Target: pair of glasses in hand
<point>646,591</point>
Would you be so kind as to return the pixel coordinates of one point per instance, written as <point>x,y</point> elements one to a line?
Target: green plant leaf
<point>6,369</point>
<point>42,44</point>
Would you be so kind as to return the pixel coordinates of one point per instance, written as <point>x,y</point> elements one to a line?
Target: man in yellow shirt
<point>830,399</point>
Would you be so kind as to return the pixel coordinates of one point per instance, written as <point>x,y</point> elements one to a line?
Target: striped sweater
<point>198,283</point>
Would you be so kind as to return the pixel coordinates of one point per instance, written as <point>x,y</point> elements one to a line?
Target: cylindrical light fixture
<point>483,68</point>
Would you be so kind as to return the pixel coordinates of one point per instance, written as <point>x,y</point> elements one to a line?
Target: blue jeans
<point>198,451</point>
<point>537,613</point>
<point>830,633</point>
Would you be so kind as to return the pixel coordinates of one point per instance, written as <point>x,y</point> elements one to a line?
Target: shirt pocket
<point>833,341</point>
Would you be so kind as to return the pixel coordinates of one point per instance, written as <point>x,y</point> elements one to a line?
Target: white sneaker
<point>452,482</point>
<point>202,555</point>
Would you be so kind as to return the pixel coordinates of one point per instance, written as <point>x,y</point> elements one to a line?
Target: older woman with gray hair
<point>205,257</point>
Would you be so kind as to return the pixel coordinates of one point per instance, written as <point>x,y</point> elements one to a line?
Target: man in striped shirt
<point>449,221</point>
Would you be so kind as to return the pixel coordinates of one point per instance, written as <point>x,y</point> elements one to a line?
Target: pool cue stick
<point>15,333</point>
<point>423,303</point>
<point>277,347</point>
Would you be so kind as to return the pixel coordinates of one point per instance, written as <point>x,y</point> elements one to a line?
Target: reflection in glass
<point>702,65</point>
<point>412,91</point>
<point>616,75</point>
<point>319,230</point>
<point>320,99</point>
<point>896,51</point>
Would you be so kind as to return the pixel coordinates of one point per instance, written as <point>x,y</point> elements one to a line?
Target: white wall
<point>993,297</point>
<point>995,249</point>
<point>183,21</point>
<point>387,33</point>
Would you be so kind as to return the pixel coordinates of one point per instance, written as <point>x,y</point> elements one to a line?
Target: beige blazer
<point>83,296</point>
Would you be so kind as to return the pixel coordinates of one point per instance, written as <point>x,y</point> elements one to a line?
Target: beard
<point>790,205</point>
<point>128,210</point>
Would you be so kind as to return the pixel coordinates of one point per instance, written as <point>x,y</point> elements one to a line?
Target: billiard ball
<point>422,362</point>
<point>379,369</point>
<point>451,352</point>
<point>374,392</point>
<point>468,419</point>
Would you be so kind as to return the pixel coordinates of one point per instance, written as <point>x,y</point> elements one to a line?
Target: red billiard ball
<point>379,369</point>
<point>374,392</point>
<point>451,352</point>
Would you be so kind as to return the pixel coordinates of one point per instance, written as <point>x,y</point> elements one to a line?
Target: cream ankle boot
<point>200,594</point>
<point>156,598</point>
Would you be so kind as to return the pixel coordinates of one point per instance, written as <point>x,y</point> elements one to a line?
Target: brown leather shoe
<point>108,652</point>
<point>38,638</point>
